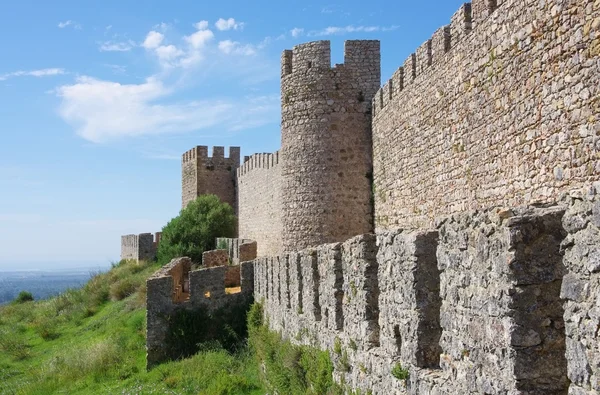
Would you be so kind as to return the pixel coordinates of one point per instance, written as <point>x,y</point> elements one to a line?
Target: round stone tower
<point>326,142</point>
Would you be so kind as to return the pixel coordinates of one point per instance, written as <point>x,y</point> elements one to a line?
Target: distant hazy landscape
<point>42,284</point>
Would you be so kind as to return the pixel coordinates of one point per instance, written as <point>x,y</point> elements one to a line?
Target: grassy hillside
<point>91,341</point>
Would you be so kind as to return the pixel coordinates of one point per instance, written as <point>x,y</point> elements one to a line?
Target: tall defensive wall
<point>326,142</point>
<point>259,188</point>
<point>500,107</point>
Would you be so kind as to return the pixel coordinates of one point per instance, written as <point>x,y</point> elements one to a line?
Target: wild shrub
<point>122,288</point>
<point>14,345</point>
<point>24,296</point>
<point>196,229</point>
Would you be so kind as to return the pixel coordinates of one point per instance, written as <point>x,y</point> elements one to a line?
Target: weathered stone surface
<point>325,142</point>
<point>581,291</point>
<point>259,189</point>
<point>472,307</point>
<point>175,286</point>
<point>216,175</point>
<point>240,250</point>
<point>140,247</point>
<point>507,116</point>
<point>215,258</point>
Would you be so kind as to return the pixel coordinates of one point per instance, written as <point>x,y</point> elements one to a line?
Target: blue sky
<point>99,99</point>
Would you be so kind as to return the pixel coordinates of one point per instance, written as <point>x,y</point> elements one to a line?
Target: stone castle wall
<point>499,108</point>
<point>326,142</point>
<point>473,306</point>
<point>140,247</point>
<point>240,250</point>
<point>259,188</point>
<point>202,174</point>
<point>175,286</point>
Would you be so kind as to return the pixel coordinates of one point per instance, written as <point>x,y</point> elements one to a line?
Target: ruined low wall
<point>240,250</point>
<point>140,247</point>
<point>215,258</point>
<point>500,107</point>
<point>206,290</point>
<point>473,306</point>
<point>259,202</point>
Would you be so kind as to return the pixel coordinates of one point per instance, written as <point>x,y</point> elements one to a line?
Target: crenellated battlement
<point>498,108</point>
<point>258,161</point>
<point>441,303</point>
<point>204,174</point>
<point>433,51</point>
<point>304,60</point>
<point>200,153</point>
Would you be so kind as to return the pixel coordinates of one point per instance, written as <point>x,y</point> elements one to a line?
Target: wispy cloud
<point>117,68</point>
<point>340,30</point>
<point>102,111</point>
<point>297,32</point>
<point>228,24</point>
<point>117,46</point>
<point>74,25</point>
<point>234,47</point>
<point>33,73</point>
<point>163,26</point>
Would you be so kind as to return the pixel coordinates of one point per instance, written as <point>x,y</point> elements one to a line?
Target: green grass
<point>289,368</point>
<point>92,341</point>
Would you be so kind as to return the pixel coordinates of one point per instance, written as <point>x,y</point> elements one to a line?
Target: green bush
<point>24,296</point>
<point>196,229</point>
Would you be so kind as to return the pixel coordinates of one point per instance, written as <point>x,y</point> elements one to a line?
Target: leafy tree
<point>24,296</point>
<point>196,228</point>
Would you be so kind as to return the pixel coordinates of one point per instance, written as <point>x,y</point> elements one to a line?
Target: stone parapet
<point>472,306</point>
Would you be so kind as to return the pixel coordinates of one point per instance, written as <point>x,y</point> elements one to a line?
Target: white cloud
<point>297,31</point>
<point>33,73</point>
<point>168,53</point>
<point>228,24</point>
<point>339,30</point>
<point>234,47</point>
<point>153,40</point>
<point>75,25</point>
<point>102,111</point>
<point>199,38</point>
<point>120,46</point>
<point>197,43</point>
<point>202,25</point>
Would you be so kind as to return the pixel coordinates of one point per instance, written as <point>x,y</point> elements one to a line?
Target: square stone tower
<point>202,174</point>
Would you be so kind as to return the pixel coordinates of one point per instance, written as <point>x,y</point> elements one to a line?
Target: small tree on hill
<point>196,228</point>
<point>24,296</point>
